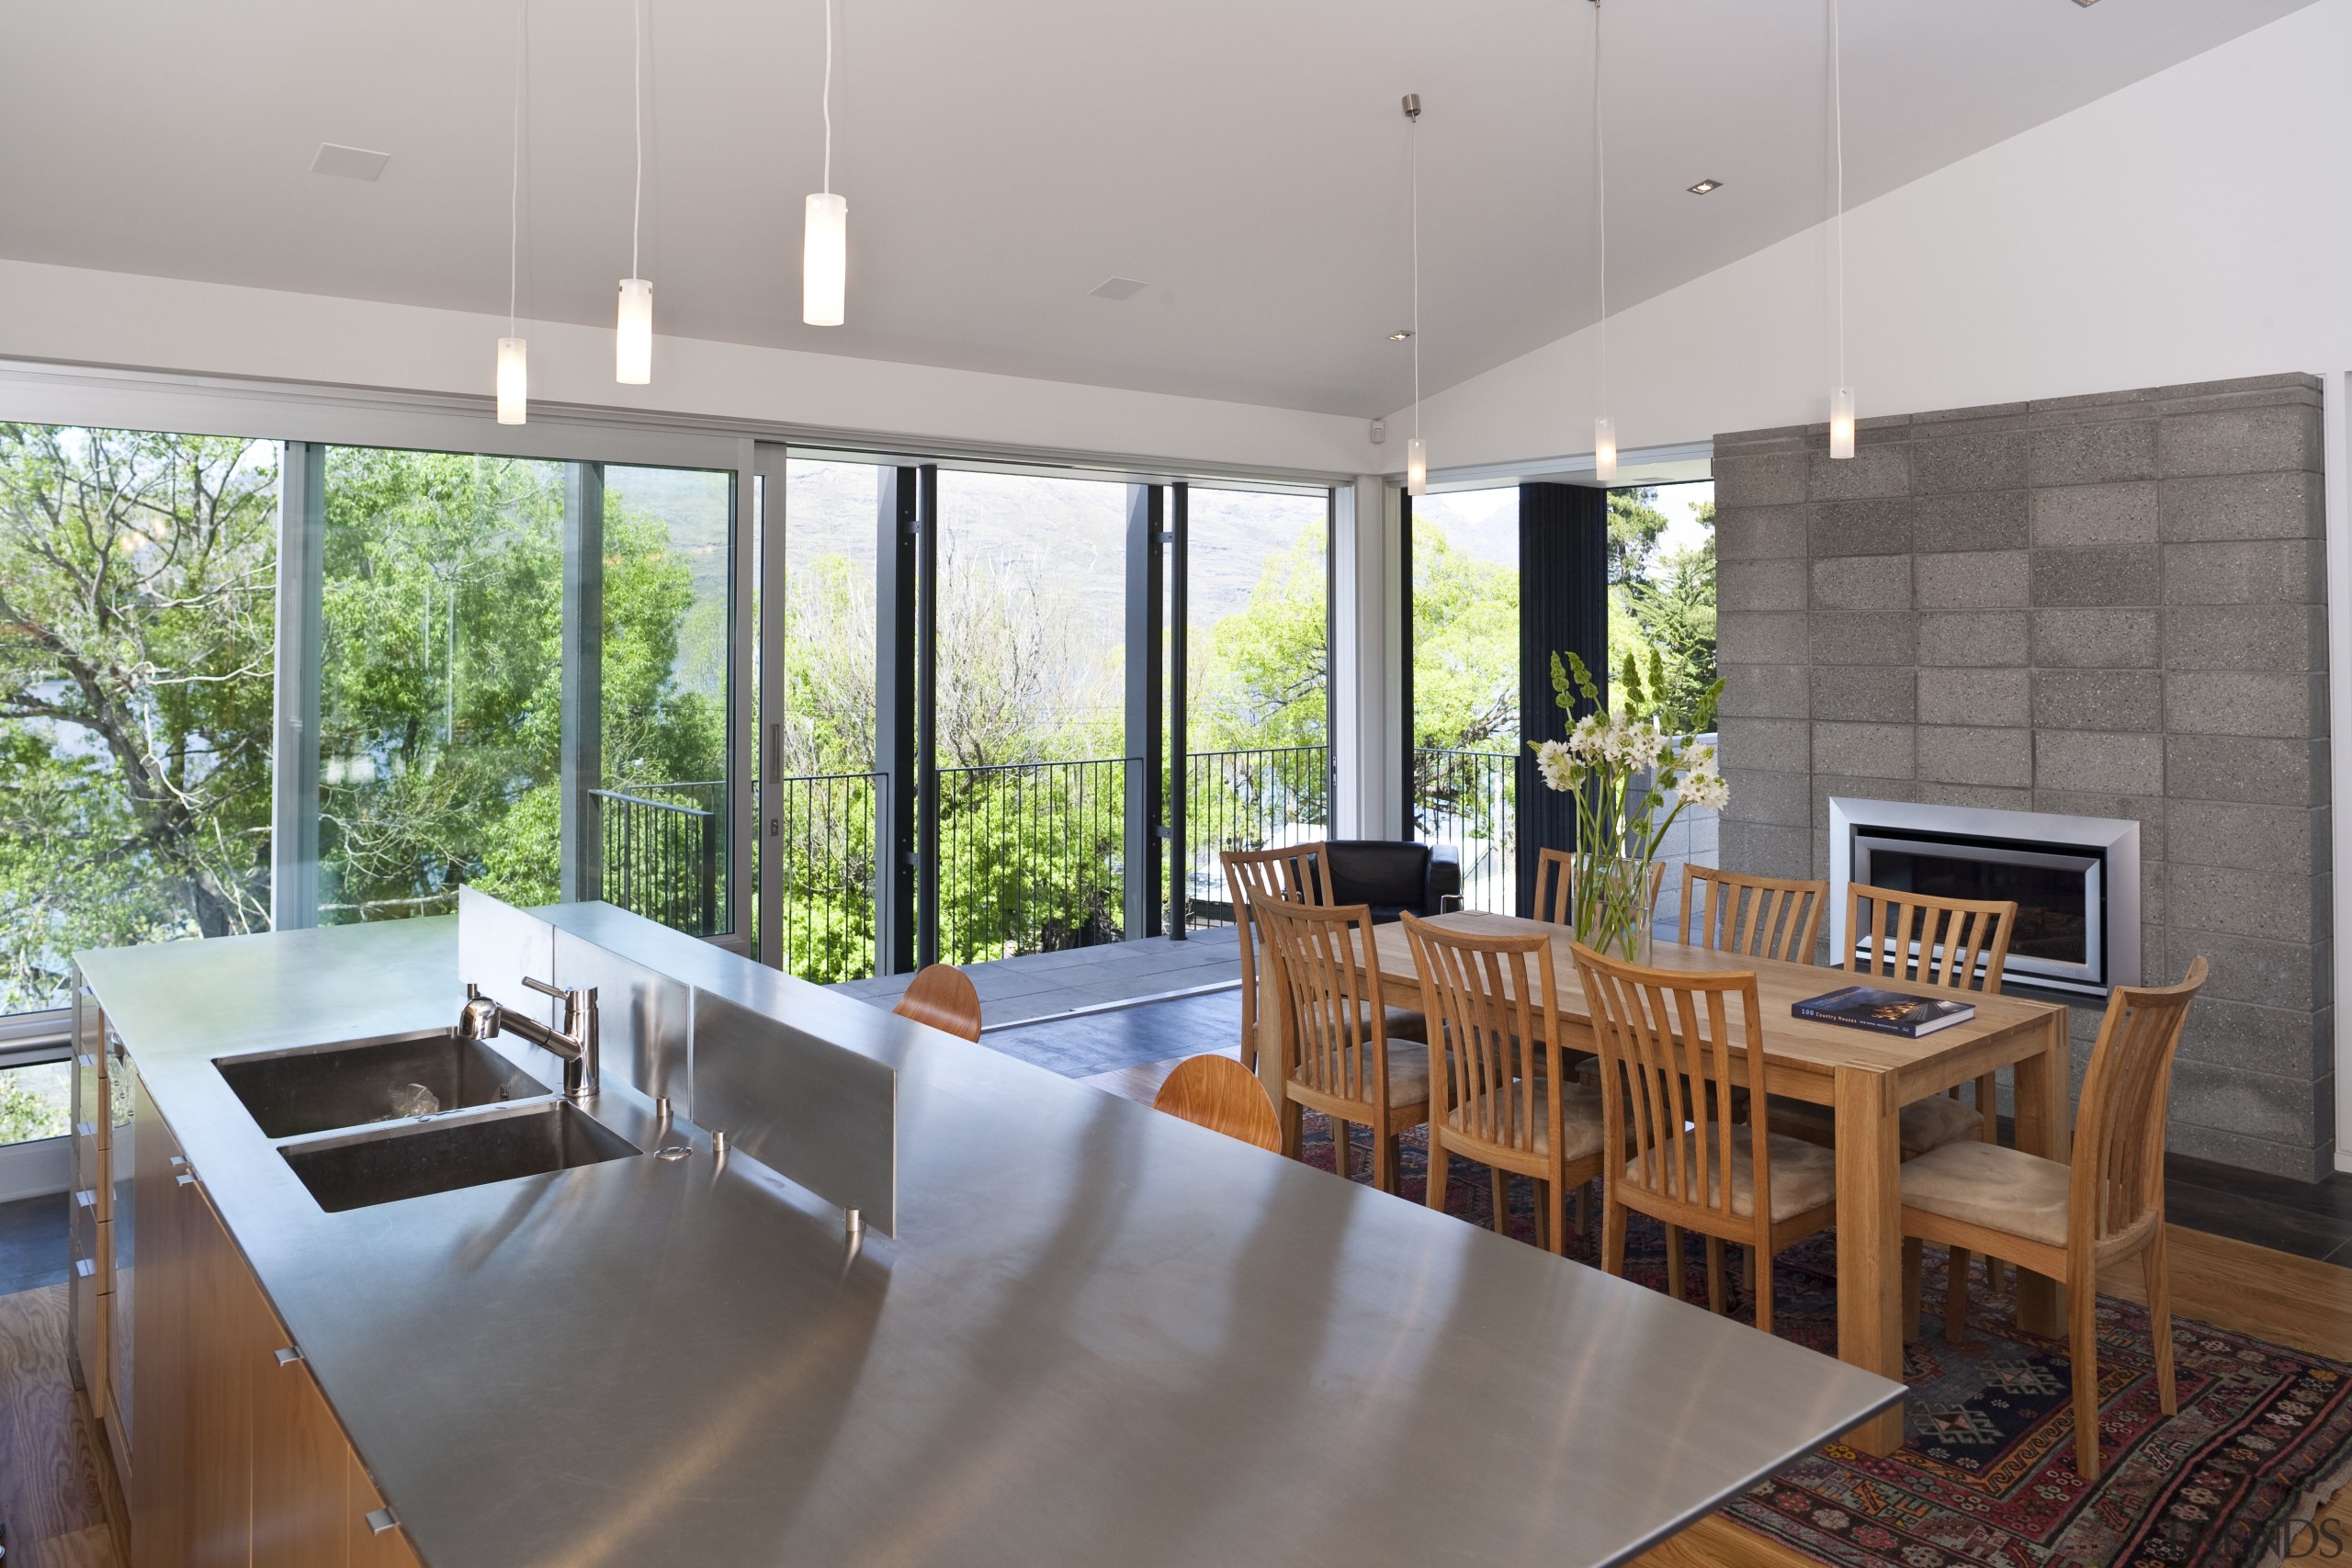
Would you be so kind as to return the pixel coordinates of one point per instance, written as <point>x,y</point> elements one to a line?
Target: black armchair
<point>1395,877</point>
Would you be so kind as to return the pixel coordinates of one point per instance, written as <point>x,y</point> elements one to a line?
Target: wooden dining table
<point>1865,1077</point>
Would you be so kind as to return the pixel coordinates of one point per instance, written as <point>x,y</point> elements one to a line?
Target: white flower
<point>1614,741</point>
<point>1584,741</point>
<point>1645,743</point>
<point>1703,786</point>
<point>1694,756</point>
<point>1554,760</point>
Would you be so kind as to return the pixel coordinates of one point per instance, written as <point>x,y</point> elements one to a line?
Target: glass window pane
<point>1662,608</point>
<point>36,1102</point>
<point>441,687</point>
<point>1032,713</point>
<point>1465,686</point>
<point>1258,698</point>
<point>137,597</point>
<point>826,790</point>
<point>665,808</point>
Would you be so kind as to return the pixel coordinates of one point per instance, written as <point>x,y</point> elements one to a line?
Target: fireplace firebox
<point>2076,881</point>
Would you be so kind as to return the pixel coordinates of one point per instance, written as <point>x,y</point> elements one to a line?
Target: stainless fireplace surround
<point>2076,880</point>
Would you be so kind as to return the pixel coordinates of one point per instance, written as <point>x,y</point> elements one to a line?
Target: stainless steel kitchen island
<point>1101,1336</point>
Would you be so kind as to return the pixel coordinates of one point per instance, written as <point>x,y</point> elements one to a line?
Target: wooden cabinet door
<point>301,1465</point>
<point>155,1373</point>
<point>369,1547</point>
<point>226,1328</point>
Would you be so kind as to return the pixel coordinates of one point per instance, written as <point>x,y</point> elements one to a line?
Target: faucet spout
<point>577,1043</point>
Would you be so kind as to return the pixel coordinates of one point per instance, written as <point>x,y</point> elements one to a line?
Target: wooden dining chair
<point>2077,1221</point>
<point>1668,1087</point>
<point>942,996</point>
<point>1959,944</point>
<point>1556,884</point>
<point>1217,1092</point>
<point>1337,1055</point>
<point>1777,917</point>
<point>1292,872</point>
<point>1503,1097</point>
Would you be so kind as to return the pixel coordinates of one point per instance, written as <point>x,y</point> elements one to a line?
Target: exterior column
<point>301,648</point>
<point>580,869</point>
<point>1147,586</point>
<point>1563,608</point>
<point>1368,575</point>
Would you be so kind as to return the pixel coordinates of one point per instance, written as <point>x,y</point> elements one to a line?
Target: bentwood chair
<point>1959,944</point>
<point>1555,885</point>
<point>1220,1093</point>
<point>1292,872</point>
<point>2072,1222</point>
<point>1755,916</point>
<point>1503,1098</point>
<point>1296,873</point>
<point>1668,1087</point>
<point>942,996</point>
<point>1337,1055</point>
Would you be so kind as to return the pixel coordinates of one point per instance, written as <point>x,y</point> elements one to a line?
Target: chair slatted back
<point>1930,941</point>
<point>1290,872</point>
<point>1334,1029</point>
<point>1222,1095</point>
<point>1482,997</point>
<point>1755,916</point>
<point>1555,885</point>
<point>1666,1083</point>
<point>2118,1157</point>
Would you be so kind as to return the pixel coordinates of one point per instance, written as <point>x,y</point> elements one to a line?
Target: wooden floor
<point>55,1497</point>
<point>2272,1295</point>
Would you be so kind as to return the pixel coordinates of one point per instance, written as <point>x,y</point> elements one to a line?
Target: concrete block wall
<point>2107,606</point>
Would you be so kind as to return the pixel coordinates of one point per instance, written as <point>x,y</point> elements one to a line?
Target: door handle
<point>186,1179</point>
<point>287,1356</point>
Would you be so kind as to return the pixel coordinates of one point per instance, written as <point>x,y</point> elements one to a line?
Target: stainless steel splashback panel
<point>825,1117</point>
<point>647,1018</point>
<point>498,944</point>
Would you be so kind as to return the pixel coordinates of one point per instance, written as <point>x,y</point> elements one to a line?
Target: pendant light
<point>1417,456</point>
<point>1604,429</point>
<point>514,357</point>
<point>1841,398</point>
<point>824,248</point>
<point>633,345</point>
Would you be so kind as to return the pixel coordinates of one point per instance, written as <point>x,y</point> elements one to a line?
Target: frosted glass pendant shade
<point>1604,450</point>
<point>1416,468</point>
<point>633,345</point>
<point>513,380</point>
<point>1841,422</point>
<point>824,260</point>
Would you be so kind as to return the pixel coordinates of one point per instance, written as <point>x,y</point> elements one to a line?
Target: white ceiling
<point>1002,159</point>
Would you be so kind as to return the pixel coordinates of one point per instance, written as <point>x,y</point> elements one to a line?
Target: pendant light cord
<point>1600,201</point>
<point>1413,167</point>
<point>1838,121</point>
<point>515,177</point>
<point>829,97</point>
<point>637,202</point>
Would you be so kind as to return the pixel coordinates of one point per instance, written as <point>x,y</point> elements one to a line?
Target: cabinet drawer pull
<point>186,1179</point>
<point>88,1198</point>
<point>84,1268</point>
<point>288,1356</point>
<point>381,1519</point>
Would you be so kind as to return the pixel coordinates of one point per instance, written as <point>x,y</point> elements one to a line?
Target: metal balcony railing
<point>1247,800</point>
<point>660,852</point>
<point>1467,799</point>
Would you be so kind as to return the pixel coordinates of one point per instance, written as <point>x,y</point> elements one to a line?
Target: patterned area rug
<point>1986,1473</point>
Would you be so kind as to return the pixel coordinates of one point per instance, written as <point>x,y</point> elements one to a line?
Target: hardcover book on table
<point>1887,1012</point>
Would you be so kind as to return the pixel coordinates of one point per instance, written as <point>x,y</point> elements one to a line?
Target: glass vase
<point>1617,906</point>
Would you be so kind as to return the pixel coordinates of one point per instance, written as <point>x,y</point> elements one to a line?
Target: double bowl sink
<point>405,1118</point>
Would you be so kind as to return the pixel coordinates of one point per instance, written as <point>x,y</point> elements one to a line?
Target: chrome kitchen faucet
<point>575,1044</point>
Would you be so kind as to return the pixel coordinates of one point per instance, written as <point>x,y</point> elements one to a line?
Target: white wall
<point>74,316</point>
<point>2190,228</point>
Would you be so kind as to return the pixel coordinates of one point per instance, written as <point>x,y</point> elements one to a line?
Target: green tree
<point>136,595</point>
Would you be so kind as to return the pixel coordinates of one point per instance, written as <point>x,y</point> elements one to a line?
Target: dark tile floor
<point>33,1243</point>
<point>2308,1219</point>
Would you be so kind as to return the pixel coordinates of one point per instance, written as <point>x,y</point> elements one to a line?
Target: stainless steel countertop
<point>1102,1337</point>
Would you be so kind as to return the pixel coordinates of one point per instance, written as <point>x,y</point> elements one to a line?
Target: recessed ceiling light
<point>348,163</point>
<point>1118,289</point>
<point>1399,336</point>
<point>2086,2</point>
<point>1706,186</point>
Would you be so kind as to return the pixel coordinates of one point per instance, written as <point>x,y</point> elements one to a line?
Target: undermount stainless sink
<point>441,1156</point>
<point>321,1088</point>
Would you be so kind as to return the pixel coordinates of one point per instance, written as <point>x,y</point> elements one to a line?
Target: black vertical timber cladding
<point>895,573</point>
<point>926,837</point>
<point>1146,589</point>
<point>1179,848</point>
<point>1563,608</point>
